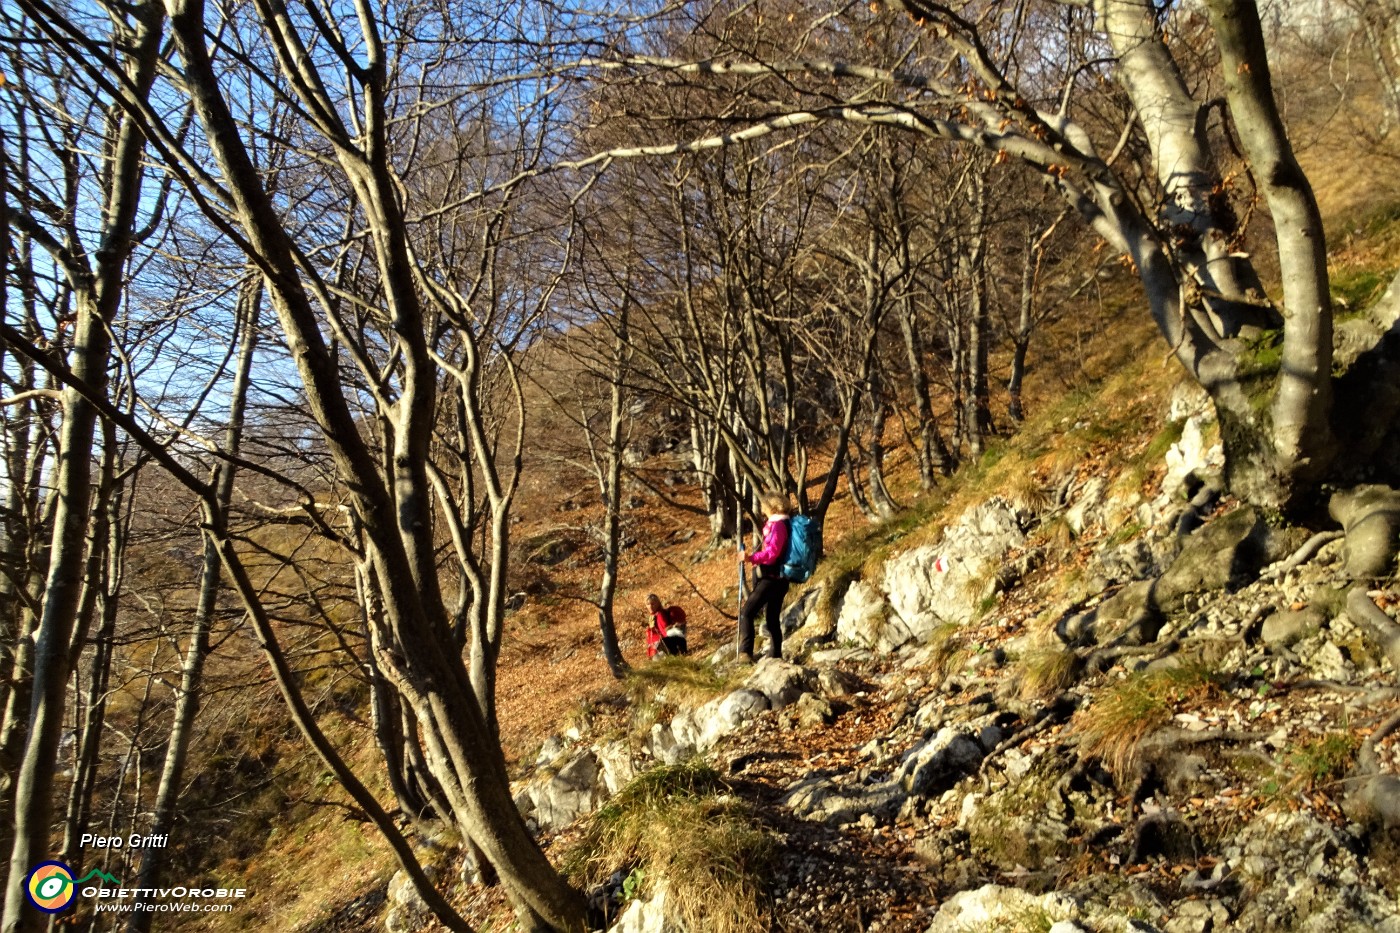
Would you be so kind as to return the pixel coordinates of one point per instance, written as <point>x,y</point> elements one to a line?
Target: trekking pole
<point>739,540</point>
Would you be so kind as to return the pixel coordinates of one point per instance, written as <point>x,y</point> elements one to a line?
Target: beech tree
<point>377,327</point>
<point>47,176</point>
<point>1012,79</point>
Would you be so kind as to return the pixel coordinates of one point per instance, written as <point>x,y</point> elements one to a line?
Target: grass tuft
<point>688,681</point>
<point>1112,729</point>
<point>678,826</point>
<point>1323,759</point>
<point>1048,671</point>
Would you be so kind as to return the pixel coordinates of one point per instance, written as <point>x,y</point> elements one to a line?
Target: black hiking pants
<point>768,595</point>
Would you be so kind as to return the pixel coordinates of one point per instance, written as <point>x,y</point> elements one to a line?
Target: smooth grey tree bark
<point>1303,443</point>
<point>608,465</point>
<point>189,693</point>
<point>972,258</point>
<point>98,283</point>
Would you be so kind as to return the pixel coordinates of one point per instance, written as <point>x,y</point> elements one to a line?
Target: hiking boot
<point>745,657</point>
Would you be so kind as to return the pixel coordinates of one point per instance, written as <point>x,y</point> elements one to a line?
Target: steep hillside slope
<point>1089,691</point>
<point>1108,689</point>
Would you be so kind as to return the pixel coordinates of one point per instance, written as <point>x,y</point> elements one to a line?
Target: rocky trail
<point>1198,735</point>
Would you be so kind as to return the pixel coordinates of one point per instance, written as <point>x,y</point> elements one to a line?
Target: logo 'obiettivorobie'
<point>51,887</point>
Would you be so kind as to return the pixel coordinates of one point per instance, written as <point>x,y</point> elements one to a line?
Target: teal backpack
<point>800,554</point>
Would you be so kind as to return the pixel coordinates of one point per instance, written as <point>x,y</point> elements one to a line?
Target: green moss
<point>1125,533</point>
<point>1006,828</point>
<point>1262,356</point>
<point>1163,440</point>
<point>1354,290</point>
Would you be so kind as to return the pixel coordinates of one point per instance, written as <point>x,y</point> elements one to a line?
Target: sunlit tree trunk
<point>97,300</point>
<point>188,695</point>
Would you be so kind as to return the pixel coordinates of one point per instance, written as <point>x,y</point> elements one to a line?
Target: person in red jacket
<point>665,628</point>
<point>772,587</point>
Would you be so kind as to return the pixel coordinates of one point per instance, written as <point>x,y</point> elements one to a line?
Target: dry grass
<point>1048,671</point>
<point>687,681</point>
<point>679,826</point>
<point>948,650</point>
<point>1113,728</point>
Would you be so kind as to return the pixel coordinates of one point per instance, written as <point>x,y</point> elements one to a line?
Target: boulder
<point>616,761</point>
<point>1306,875</point>
<point>550,749</point>
<point>995,907</point>
<point>802,611</point>
<point>1225,553</point>
<point>647,916</point>
<point>826,656</point>
<point>661,744</point>
<point>781,682</point>
<point>834,682</point>
<point>809,712</point>
<point>408,912</point>
<point>929,585</point>
<point>1375,802</point>
<point>572,792</point>
<point>1129,616</point>
<point>1285,629</point>
<point>864,619</point>
<point>550,548</point>
<point>525,802</point>
<point>1133,560</point>
<point>1370,516</point>
<point>938,763</point>
<point>725,715</point>
<point>1084,509</point>
<point>821,799</point>
<point>1190,456</point>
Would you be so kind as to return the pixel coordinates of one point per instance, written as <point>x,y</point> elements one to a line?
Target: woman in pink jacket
<point>772,587</point>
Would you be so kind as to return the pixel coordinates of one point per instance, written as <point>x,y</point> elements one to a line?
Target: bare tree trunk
<point>1380,23</point>
<point>610,481</point>
<point>393,732</point>
<point>1302,437</point>
<point>63,588</point>
<point>455,709</point>
<point>104,579</point>
<point>217,530</point>
<point>934,458</point>
<point>714,477</point>
<point>857,489</point>
<point>973,257</point>
<point>957,375</point>
<point>1021,340</point>
<point>23,548</point>
<point>96,307</point>
<point>880,499</point>
<point>1175,130</point>
<point>187,696</point>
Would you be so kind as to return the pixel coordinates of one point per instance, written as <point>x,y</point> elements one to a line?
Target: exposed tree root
<point>1057,711</point>
<point>1302,555</point>
<point>1379,626</point>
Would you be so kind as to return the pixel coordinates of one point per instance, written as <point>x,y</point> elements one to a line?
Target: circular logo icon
<point>50,886</point>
